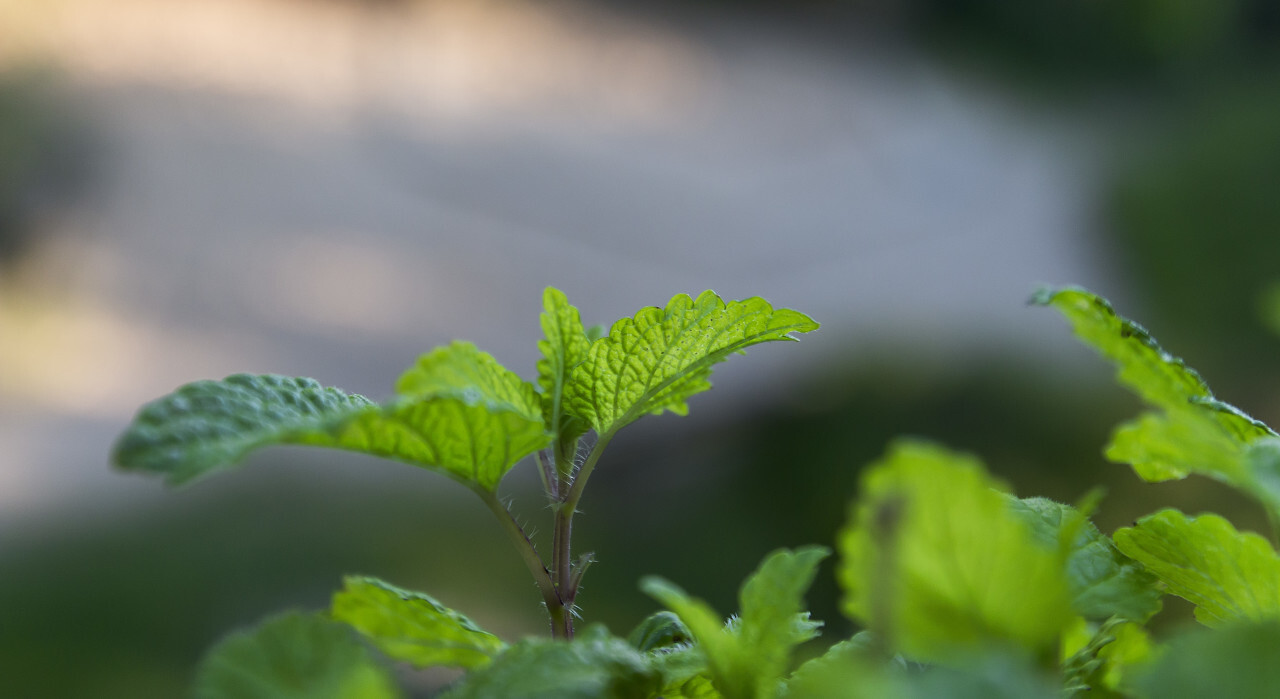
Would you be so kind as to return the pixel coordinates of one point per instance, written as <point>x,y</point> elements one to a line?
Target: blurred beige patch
<point>447,58</point>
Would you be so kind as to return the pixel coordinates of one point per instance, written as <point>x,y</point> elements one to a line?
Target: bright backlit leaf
<point>592,666</point>
<point>748,657</point>
<point>412,626</point>
<point>1103,581</point>
<point>1230,576</point>
<point>460,370</point>
<point>210,425</point>
<point>564,346</point>
<point>292,656</point>
<point>937,563</point>
<point>656,360</point>
<point>1191,431</point>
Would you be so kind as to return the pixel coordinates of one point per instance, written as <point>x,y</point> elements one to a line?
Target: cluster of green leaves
<point>962,588</point>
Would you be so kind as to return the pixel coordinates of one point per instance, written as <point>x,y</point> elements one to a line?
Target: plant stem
<point>561,621</point>
<point>580,480</point>
<point>562,539</point>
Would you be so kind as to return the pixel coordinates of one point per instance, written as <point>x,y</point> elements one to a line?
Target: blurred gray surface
<point>337,233</point>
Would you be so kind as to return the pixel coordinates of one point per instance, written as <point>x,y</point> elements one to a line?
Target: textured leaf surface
<point>459,412</point>
<point>1230,576</point>
<point>210,425</point>
<point>659,358</point>
<point>292,656</point>
<point>1237,661</point>
<point>1103,581</point>
<point>748,658</point>
<point>564,346</point>
<point>412,626</point>
<point>472,443</point>
<point>592,666</point>
<point>1191,432</point>
<point>937,563</point>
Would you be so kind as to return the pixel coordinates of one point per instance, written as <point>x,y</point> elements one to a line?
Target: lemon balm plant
<point>963,589</point>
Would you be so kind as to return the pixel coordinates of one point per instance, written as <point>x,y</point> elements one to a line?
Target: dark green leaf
<point>1103,581</point>
<point>210,425</point>
<point>659,630</point>
<point>412,626</point>
<point>292,656</point>
<point>592,666</point>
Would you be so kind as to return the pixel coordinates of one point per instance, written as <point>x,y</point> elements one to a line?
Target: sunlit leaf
<point>412,626</point>
<point>1191,431</point>
<point>1230,576</point>
<point>292,656</point>
<point>1103,581</point>
<point>937,564</point>
<point>748,657</point>
<point>592,666</point>
<point>656,360</point>
<point>210,425</point>
<point>564,346</point>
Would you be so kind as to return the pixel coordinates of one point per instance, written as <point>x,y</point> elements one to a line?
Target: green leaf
<point>564,347</point>
<point>460,370</point>
<point>459,412</point>
<point>684,673</point>
<point>592,666</point>
<point>656,360</point>
<point>1130,652</point>
<point>1230,576</point>
<point>1191,431</point>
<point>1103,582</point>
<point>659,630</point>
<point>989,676</point>
<point>845,671</point>
<point>210,425</point>
<point>412,626</point>
<point>937,564</point>
<point>292,656</point>
<point>1100,659</point>
<point>748,657</point>
<point>1236,661</point>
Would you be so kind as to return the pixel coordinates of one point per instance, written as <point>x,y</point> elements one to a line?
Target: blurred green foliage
<point>1197,216</point>
<point>1088,40</point>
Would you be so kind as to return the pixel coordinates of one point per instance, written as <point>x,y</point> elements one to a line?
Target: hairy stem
<point>566,581</point>
<point>561,621</point>
<point>580,480</point>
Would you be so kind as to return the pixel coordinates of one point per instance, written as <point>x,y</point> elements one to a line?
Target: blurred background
<point>193,188</point>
